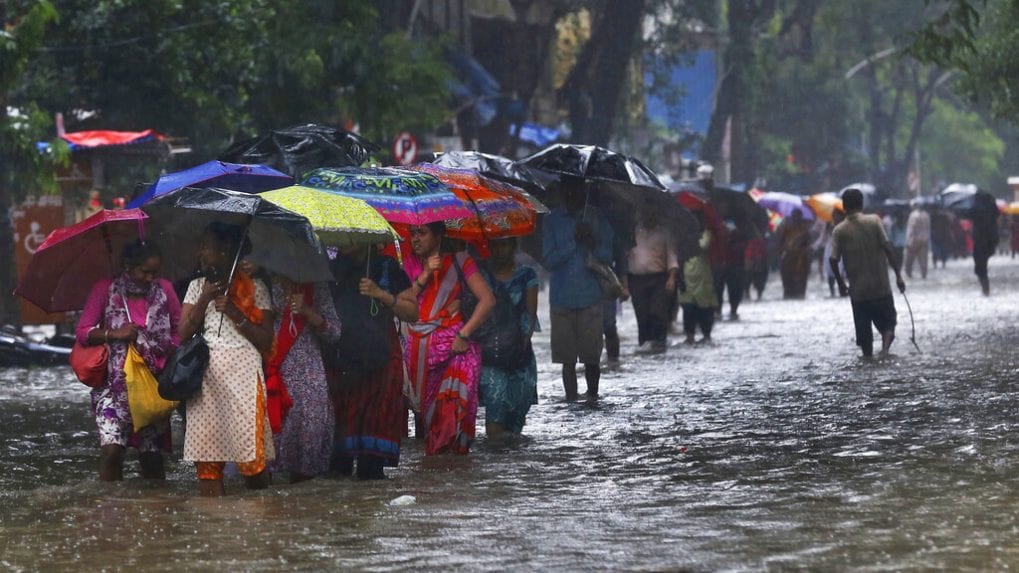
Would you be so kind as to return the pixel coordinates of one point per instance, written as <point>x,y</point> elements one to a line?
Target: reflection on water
<point>773,448</point>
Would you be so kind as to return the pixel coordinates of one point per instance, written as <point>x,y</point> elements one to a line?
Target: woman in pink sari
<point>443,362</point>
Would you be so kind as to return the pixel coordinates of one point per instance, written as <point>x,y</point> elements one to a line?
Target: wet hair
<point>438,228</point>
<point>137,252</point>
<point>229,235</point>
<point>852,199</point>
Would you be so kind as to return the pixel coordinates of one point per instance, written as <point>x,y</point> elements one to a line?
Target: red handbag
<point>90,363</point>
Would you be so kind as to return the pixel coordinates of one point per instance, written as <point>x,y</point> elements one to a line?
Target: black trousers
<point>652,305</point>
<point>879,312</point>
<point>694,316</point>
<point>734,278</point>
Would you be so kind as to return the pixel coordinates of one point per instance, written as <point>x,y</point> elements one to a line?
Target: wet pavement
<point>773,448</point>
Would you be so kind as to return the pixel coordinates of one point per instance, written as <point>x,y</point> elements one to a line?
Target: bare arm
<point>532,307</point>
<point>893,261</point>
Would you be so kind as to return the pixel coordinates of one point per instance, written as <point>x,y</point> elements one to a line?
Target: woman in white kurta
<point>226,420</point>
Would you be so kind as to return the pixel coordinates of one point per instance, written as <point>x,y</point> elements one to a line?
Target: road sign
<point>405,148</point>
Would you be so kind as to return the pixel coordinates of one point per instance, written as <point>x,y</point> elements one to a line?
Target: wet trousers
<point>694,316</point>
<point>651,305</point>
<point>732,277</point>
<point>916,252</point>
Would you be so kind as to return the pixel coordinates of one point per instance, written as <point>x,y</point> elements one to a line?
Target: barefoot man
<point>861,243</point>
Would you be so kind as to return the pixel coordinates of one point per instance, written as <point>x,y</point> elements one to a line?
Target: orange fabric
<point>242,294</point>
<point>214,470</point>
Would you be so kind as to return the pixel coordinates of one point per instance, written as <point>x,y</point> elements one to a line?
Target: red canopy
<point>100,138</point>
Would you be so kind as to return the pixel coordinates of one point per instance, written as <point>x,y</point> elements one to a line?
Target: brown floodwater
<point>773,448</point>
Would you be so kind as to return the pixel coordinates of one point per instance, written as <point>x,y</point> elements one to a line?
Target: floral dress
<point>306,442</point>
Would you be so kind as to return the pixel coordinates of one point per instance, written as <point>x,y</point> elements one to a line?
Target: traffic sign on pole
<point>405,148</point>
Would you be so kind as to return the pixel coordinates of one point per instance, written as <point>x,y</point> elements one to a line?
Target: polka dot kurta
<point>221,419</point>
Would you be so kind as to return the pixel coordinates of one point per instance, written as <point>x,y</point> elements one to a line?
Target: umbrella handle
<point>233,269</point>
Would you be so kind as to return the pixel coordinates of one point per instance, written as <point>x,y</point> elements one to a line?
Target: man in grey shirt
<point>860,241</point>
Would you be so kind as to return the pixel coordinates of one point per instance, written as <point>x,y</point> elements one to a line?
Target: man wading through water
<point>861,242</point>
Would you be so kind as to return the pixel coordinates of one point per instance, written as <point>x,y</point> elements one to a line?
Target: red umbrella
<point>71,259</point>
<point>695,203</point>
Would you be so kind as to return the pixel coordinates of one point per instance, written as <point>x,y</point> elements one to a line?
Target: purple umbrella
<point>785,204</point>
<point>219,174</point>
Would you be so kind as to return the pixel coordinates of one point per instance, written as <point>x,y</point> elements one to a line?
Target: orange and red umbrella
<point>501,210</point>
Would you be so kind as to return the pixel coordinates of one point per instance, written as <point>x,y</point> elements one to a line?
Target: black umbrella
<point>741,208</point>
<point>488,164</point>
<point>620,186</point>
<point>282,241</point>
<point>592,162</point>
<point>959,197</point>
<point>301,148</point>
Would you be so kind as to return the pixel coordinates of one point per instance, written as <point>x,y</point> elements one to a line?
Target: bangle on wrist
<point>106,335</point>
<point>418,283</point>
<point>463,337</point>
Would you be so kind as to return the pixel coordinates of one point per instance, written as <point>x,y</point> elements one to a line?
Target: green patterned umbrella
<point>338,220</point>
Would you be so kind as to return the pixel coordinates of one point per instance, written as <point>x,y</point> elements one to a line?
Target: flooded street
<point>774,448</point>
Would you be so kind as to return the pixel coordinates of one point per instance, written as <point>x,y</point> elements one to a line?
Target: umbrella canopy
<point>282,241</point>
<point>301,148</point>
<point>501,210</point>
<point>401,196</point>
<point>824,205</point>
<point>741,209</point>
<point>783,203</point>
<point>497,167</point>
<point>1012,208</point>
<point>592,162</point>
<point>247,178</point>
<point>959,196</point>
<point>71,259</point>
<point>339,221</point>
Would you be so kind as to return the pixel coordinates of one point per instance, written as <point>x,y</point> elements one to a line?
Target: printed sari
<point>446,384</point>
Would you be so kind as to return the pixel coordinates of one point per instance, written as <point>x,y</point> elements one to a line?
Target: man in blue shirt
<point>573,234</point>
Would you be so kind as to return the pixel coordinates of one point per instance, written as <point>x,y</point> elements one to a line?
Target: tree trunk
<point>10,311</point>
<point>595,86</point>
<point>733,92</point>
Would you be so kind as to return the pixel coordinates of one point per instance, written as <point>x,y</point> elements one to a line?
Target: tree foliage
<point>211,71</point>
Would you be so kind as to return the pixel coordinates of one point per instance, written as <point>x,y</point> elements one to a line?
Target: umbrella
<point>300,148</point>
<point>71,259</point>
<point>824,205</point>
<point>959,196</point>
<point>282,241</point>
<point>783,203</point>
<point>741,209</point>
<point>247,178</point>
<point>501,210</point>
<point>497,167</point>
<point>401,196</point>
<point>1012,208</point>
<point>339,221</point>
<point>592,162</point>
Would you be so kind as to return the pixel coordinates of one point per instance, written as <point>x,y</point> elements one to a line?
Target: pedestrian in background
<point>575,233</point>
<point>697,294</point>
<point>654,271</point>
<point>918,237</point>
<point>861,244</point>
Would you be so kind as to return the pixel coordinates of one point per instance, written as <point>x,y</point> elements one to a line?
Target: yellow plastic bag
<point>143,399</point>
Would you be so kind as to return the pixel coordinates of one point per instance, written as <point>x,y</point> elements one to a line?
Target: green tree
<point>977,39</point>
<point>25,170</point>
